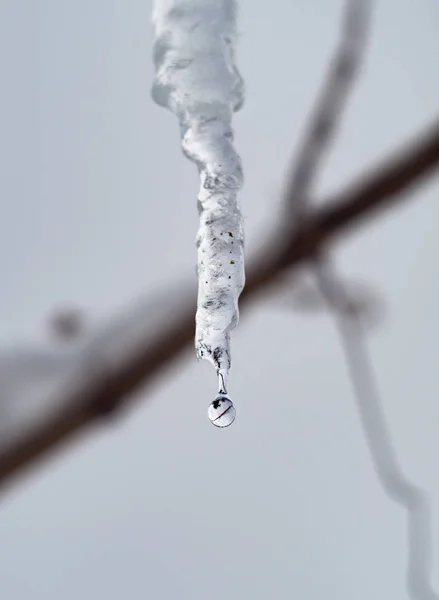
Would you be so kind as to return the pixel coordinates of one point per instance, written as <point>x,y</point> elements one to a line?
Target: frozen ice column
<point>196,78</point>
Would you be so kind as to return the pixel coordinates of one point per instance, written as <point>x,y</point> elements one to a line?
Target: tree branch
<point>325,118</point>
<point>107,392</point>
<point>370,193</point>
<point>384,457</point>
<point>323,126</point>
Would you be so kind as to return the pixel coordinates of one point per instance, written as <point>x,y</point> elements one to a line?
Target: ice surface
<point>196,78</point>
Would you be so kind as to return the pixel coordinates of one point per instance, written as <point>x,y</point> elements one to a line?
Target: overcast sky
<point>99,207</point>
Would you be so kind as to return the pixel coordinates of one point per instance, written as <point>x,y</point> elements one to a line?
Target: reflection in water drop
<point>222,411</point>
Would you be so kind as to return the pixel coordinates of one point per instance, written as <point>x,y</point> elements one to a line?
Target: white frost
<point>196,78</point>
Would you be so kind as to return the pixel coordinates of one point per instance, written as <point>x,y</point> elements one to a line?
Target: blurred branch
<point>324,120</point>
<point>388,184</point>
<point>376,430</point>
<point>302,235</point>
<point>323,126</point>
<point>112,386</point>
<point>109,391</point>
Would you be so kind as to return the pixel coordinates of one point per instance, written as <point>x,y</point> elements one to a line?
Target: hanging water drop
<point>221,411</point>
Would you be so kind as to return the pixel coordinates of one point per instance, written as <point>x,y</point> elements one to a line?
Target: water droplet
<point>222,411</point>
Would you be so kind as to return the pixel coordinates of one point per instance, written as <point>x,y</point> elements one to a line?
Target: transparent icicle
<point>196,78</point>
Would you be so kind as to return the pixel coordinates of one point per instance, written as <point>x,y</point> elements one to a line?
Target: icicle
<point>196,78</point>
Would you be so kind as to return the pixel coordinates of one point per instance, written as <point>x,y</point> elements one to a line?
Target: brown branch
<point>325,118</point>
<point>400,173</point>
<point>323,126</point>
<point>109,392</point>
<point>379,440</point>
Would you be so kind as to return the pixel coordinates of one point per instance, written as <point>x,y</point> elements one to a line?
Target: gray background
<point>98,207</point>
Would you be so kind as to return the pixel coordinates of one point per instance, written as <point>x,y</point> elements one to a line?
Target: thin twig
<point>324,122</point>
<point>376,430</point>
<point>325,118</point>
